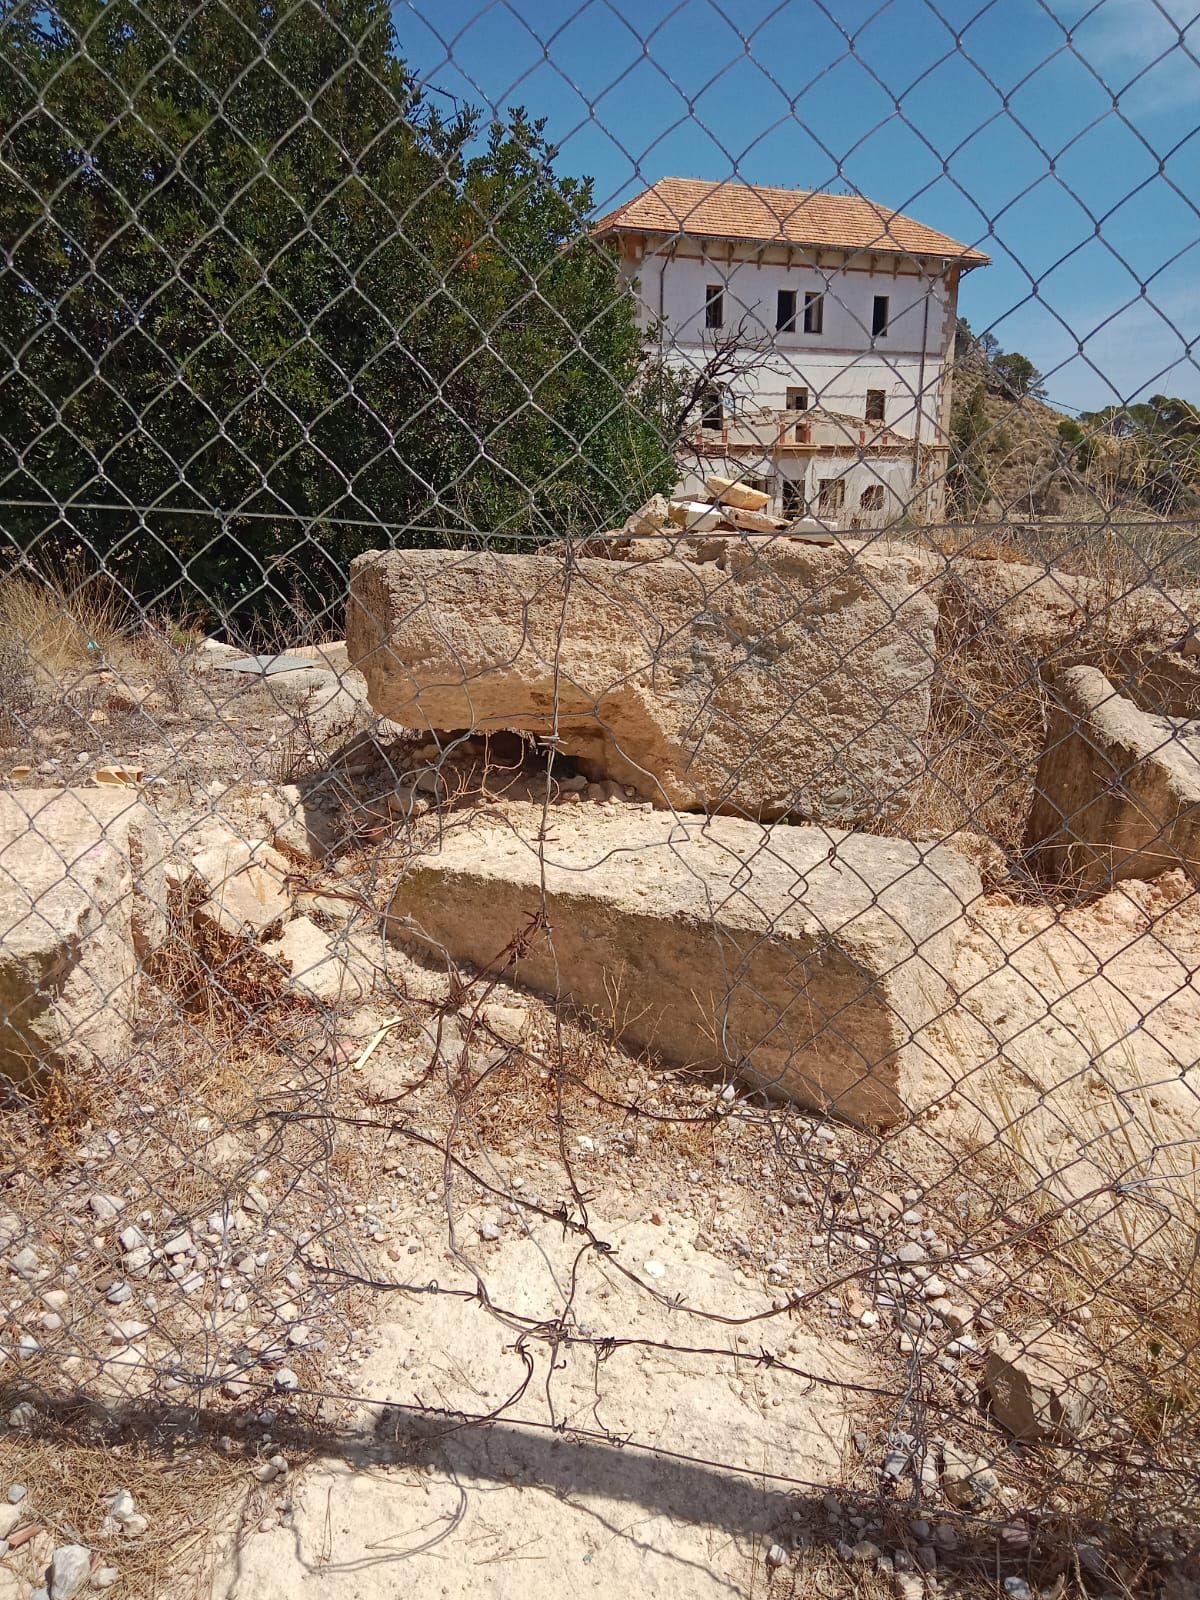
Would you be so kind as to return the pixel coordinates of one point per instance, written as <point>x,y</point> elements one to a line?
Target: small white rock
<point>70,1566</point>
<point>121,1504</point>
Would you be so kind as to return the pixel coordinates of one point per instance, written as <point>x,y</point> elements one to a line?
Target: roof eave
<point>965,257</point>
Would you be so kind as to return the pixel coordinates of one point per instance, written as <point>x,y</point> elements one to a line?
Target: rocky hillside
<point>1017,457</point>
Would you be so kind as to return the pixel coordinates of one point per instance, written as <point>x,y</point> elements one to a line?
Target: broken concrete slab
<point>331,654</point>
<point>781,680</point>
<point>733,492</point>
<point>325,703</point>
<point>696,516</point>
<point>806,960</point>
<point>649,518</point>
<point>753,521</point>
<point>317,967</point>
<point>264,666</point>
<point>245,883</point>
<point>302,820</point>
<point>82,899</point>
<point>1046,1385</point>
<point>1117,793</point>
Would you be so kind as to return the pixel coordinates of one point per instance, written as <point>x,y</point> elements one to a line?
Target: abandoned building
<point>821,328</point>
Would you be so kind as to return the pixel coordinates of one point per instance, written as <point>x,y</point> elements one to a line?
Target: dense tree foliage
<point>1017,375</point>
<point>262,296</point>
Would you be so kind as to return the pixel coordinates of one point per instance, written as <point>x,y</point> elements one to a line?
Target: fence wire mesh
<point>598,856</point>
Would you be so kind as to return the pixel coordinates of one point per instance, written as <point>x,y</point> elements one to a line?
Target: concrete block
<point>1117,793</point>
<point>807,961</point>
<point>82,899</point>
<point>782,680</point>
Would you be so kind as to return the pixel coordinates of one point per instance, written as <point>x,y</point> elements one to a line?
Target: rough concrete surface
<point>82,897</point>
<point>806,960</point>
<point>1117,793</point>
<point>318,963</point>
<point>776,679</point>
<point>245,881</point>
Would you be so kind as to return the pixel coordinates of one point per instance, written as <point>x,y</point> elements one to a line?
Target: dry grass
<point>73,646</point>
<point>65,626</point>
<point>181,1484</point>
<point>1124,1263</point>
<point>987,726</point>
<point>989,700</point>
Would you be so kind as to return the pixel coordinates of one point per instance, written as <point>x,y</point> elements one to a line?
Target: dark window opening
<point>785,311</point>
<point>875,403</point>
<point>879,317</point>
<point>714,306</point>
<point>814,311</point>
<point>793,498</point>
<point>712,411</point>
<point>872,498</point>
<point>797,399</point>
<point>833,496</point>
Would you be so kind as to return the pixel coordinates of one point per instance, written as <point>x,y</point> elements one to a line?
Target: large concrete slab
<point>82,897</point>
<point>1117,793</point>
<point>767,678</point>
<point>808,961</point>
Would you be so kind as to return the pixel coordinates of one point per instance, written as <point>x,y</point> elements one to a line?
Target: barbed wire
<point>655,956</point>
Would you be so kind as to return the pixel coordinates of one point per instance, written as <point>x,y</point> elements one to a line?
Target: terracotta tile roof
<point>698,209</point>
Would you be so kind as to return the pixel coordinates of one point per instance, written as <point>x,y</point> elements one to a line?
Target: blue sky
<point>1061,137</point>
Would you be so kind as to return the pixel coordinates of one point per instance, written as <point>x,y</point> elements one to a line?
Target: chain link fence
<point>601,808</point>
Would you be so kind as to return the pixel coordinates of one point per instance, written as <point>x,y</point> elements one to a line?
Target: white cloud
<point>1147,51</point>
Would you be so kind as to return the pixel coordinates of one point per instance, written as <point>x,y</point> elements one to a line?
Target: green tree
<point>1018,376</point>
<point>979,447</point>
<point>1080,443</point>
<point>266,300</point>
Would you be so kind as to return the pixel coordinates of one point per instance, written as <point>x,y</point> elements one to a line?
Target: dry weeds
<point>180,1482</point>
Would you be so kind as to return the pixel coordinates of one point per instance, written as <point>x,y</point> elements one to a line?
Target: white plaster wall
<point>838,365</point>
<point>750,291</point>
<point>837,382</point>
